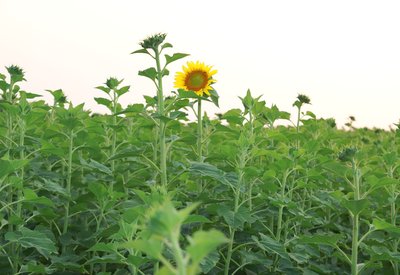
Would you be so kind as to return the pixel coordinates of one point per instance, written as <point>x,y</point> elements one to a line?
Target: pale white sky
<point>344,54</point>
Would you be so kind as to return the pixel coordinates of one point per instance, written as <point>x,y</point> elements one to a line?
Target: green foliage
<point>81,193</point>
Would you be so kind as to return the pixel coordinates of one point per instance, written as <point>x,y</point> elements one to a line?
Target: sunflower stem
<point>160,106</point>
<point>114,135</point>
<point>68,185</point>
<point>199,138</point>
<point>355,219</point>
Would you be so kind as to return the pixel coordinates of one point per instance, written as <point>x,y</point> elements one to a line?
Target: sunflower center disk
<point>196,81</point>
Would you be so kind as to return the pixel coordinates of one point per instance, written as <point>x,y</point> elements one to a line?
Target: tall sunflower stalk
<point>154,46</point>
<point>197,77</point>
<point>301,100</point>
<point>113,90</point>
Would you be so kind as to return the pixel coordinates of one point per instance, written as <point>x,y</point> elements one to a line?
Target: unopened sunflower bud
<point>152,42</point>
<point>16,73</point>
<point>347,154</point>
<point>303,99</point>
<point>112,83</point>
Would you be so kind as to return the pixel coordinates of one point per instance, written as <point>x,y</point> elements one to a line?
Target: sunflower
<point>196,77</point>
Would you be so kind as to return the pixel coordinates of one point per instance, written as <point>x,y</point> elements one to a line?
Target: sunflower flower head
<point>196,77</point>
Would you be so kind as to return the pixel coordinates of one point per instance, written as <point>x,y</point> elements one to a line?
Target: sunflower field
<point>145,190</point>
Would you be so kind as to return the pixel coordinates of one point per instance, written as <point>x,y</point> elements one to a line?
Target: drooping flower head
<point>196,77</point>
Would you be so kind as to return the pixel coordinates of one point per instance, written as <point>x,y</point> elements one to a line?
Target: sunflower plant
<point>154,46</point>
<point>113,90</point>
<point>195,81</point>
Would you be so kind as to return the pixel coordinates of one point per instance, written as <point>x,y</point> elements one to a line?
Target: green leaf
<point>204,242</point>
<point>99,190</point>
<point>31,197</point>
<point>4,86</point>
<point>126,153</point>
<point>55,188</point>
<point>134,108</point>
<point>214,97</point>
<point>209,262</point>
<point>385,226</point>
<point>32,239</point>
<point>377,183</point>
<point>33,267</point>
<point>336,168</point>
<point>50,148</point>
<point>104,101</point>
<point>174,57</point>
<point>237,219</point>
<point>10,166</point>
<point>330,240</point>
<point>141,51</point>
<point>165,72</point>
<point>272,246</point>
<point>136,260</point>
<point>187,94</point>
<point>311,114</point>
<point>248,100</point>
<point>355,206</point>
<point>123,90</point>
<point>31,95</point>
<point>104,247</point>
<point>150,101</point>
<point>165,271</point>
<point>104,89</point>
<point>106,259</point>
<point>184,213</point>
<point>166,45</point>
<point>92,164</point>
<point>209,170</point>
<point>152,247</point>
<point>150,73</point>
<point>234,116</point>
<point>165,220</point>
<point>196,218</point>
<point>58,95</point>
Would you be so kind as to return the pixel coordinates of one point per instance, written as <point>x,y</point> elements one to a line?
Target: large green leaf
<point>383,225</point>
<point>104,247</point>
<point>204,242</point>
<point>149,73</point>
<point>31,197</point>
<point>174,57</point>
<point>95,165</point>
<point>209,170</point>
<point>355,206</point>
<point>32,239</point>
<point>330,240</point>
<point>104,101</point>
<point>152,247</point>
<point>10,166</point>
<point>272,246</point>
<point>235,219</point>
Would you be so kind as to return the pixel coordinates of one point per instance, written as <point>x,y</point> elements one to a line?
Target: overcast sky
<point>345,55</point>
